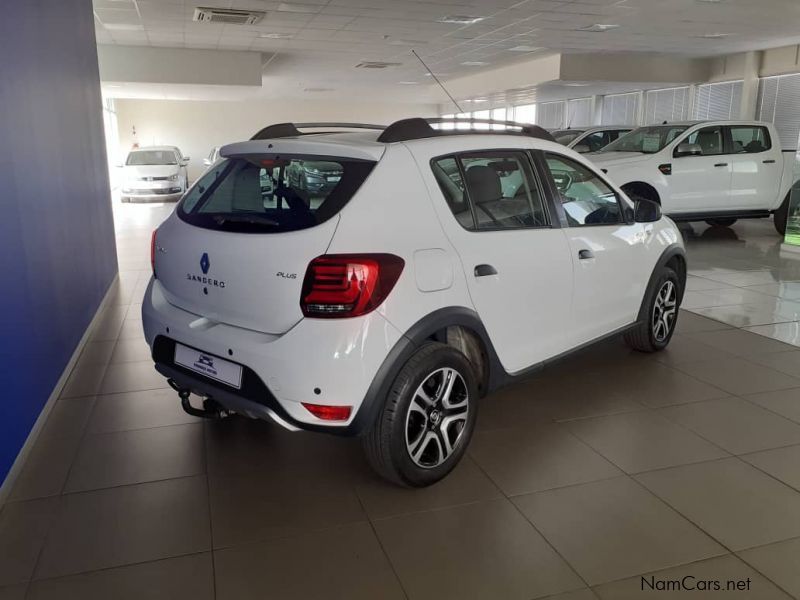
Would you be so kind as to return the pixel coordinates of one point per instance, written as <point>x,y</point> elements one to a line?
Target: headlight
<point>173,177</point>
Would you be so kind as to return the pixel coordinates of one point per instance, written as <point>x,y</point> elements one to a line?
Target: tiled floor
<point>606,471</point>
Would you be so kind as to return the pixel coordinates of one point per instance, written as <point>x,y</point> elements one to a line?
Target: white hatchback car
<point>154,174</point>
<point>440,266</point>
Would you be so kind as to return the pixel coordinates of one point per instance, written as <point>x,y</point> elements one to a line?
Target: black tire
<point>721,222</point>
<point>387,444</point>
<point>781,216</point>
<point>647,336</point>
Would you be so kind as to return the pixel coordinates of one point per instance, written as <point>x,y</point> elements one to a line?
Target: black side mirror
<point>646,211</point>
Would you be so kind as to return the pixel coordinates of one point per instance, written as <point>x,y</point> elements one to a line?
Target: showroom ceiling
<point>322,41</point>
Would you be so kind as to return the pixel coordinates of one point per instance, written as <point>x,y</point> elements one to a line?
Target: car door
<point>700,183</point>
<point>515,257</point>
<point>756,167</point>
<point>609,275</point>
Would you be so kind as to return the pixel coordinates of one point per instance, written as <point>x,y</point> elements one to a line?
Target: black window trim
<point>538,184</point>
<point>540,159</point>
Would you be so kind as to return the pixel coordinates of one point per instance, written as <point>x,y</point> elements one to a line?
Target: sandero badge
<point>205,265</point>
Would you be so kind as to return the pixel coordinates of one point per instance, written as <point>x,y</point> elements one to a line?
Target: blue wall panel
<point>57,253</point>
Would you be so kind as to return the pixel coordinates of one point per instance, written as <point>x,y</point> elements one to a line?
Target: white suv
<point>714,171</point>
<point>441,265</point>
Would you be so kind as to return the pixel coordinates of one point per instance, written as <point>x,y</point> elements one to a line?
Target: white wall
<point>197,126</point>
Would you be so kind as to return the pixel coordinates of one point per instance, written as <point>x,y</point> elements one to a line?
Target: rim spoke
<point>418,450</point>
<point>423,395</point>
<point>444,444</point>
<point>448,380</point>
<point>459,410</point>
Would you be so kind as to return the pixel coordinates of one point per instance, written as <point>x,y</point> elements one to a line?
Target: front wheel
<point>721,222</point>
<point>662,303</point>
<point>427,419</point>
<point>781,216</point>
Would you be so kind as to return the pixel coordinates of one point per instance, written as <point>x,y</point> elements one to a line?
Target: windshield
<point>565,136</point>
<point>152,157</point>
<point>646,140</point>
<point>269,194</point>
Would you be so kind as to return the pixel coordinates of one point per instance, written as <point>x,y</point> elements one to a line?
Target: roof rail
<point>418,128</point>
<point>282,130</point>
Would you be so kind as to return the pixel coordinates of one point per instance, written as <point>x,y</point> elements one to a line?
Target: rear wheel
<point>781,215</point>
<point>655,332</point>
<point>427,420</point>
<point>721,222</point>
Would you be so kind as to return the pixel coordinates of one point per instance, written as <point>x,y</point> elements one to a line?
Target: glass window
<point>595,141</point>
<point>587,199</point>
<point>500,193</point>
<point>565,136</point>
<point>750,140</point>
<point>525,113</point>
<point>646,140</point>
<point>709,139</point>
<point>152,157</point>
<point>261,194</point>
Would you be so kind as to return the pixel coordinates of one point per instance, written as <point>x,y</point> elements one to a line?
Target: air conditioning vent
<point>228,16</point>
<point>367,64</point>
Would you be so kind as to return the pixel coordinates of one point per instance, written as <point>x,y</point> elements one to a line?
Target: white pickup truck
<point>713,171</point>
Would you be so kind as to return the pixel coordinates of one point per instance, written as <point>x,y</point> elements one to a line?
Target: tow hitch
<point>211,408</point>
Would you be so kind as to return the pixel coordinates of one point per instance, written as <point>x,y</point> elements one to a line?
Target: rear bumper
<point>321,361</point>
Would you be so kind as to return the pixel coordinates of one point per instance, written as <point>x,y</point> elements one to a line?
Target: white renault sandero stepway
<point>433,267</point>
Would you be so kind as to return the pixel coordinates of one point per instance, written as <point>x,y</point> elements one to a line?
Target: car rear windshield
<point>152,157</point>
<point>271,194</point>
<point>646,140</point>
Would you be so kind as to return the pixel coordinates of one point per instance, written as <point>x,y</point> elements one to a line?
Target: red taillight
<point>348,285</point>
<point>329,413</point>
<point>153,251</point>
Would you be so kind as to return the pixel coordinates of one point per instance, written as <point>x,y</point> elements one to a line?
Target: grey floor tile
<point>131,330</point>
<point>126,525</point>
<point>740,342</point>
<point>132,377</point>
<point>787,333</point>
<point>526,460</point>
<point>183,578</point>
<point>659,385</point>
<point>483,550</point>
<point>780,562</point>
<point>735,424</point>
<point>678,582</point>
<point>781,463</point>
<point>47,465</point>
<point>13,592</point>
<point>584,594</point>
<point>745,278</point>
<point>137,456</point>
<point>96,353</point>
<point>256,507</point>
<point>23,528</point>
<point>734,502</point>
<point>789,290</point>
<point>749,315</point>
<point>688,322</point>
<point>465,484</point>
<point>130,350</point>
<point>683,349</point>
<point>109,323</point>
<point>612,529</point>
<point>785,362</point>
<point>84,380</point>
<point>513,406</point>
<point>739,376</point>
<point>643,441</point>
<point>344,563</point>
<point>699,284</point>
<point>138,410</point>
<point>783,402</point>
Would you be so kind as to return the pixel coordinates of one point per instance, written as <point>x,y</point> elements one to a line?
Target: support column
<point>752,66</point>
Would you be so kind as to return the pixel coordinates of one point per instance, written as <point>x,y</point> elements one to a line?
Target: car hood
<point>617,158</point>
<point>150,170</point>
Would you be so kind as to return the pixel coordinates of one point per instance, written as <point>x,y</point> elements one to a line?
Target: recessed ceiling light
<point>713,36</point>
<point>480,100</point>
<point>297,8</point>
<point>599,27</point>
<point>474,63</point>
<point>275,36</point>
<point>123,27</point>
<point>461,19</point>
<point>113,85</point>
<point>524,48</point>
<point>402,42</point>
<point>376,64</point>
<point>408,82</point>
<point>710,1</point>
<point>575,84</point>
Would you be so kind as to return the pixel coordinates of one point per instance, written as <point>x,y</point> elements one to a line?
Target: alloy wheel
<point>664,311</point>
<point>437,417</point>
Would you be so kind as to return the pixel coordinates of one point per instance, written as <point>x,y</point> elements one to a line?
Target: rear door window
<point>749,140</point>
<point>262,194</point>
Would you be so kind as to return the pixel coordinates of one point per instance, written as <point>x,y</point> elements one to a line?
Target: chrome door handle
<point>721,165</point>
<point>484,270</point>
<point>585,254</point>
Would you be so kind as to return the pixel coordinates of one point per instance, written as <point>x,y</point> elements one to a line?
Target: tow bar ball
<point>211,408</point>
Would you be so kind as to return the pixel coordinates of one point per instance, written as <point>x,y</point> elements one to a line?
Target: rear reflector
<point>329,413</point>
<point>348,285</point>
<point>153,251</point>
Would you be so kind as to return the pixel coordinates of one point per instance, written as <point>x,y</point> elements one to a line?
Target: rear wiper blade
<point>257,219</point>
